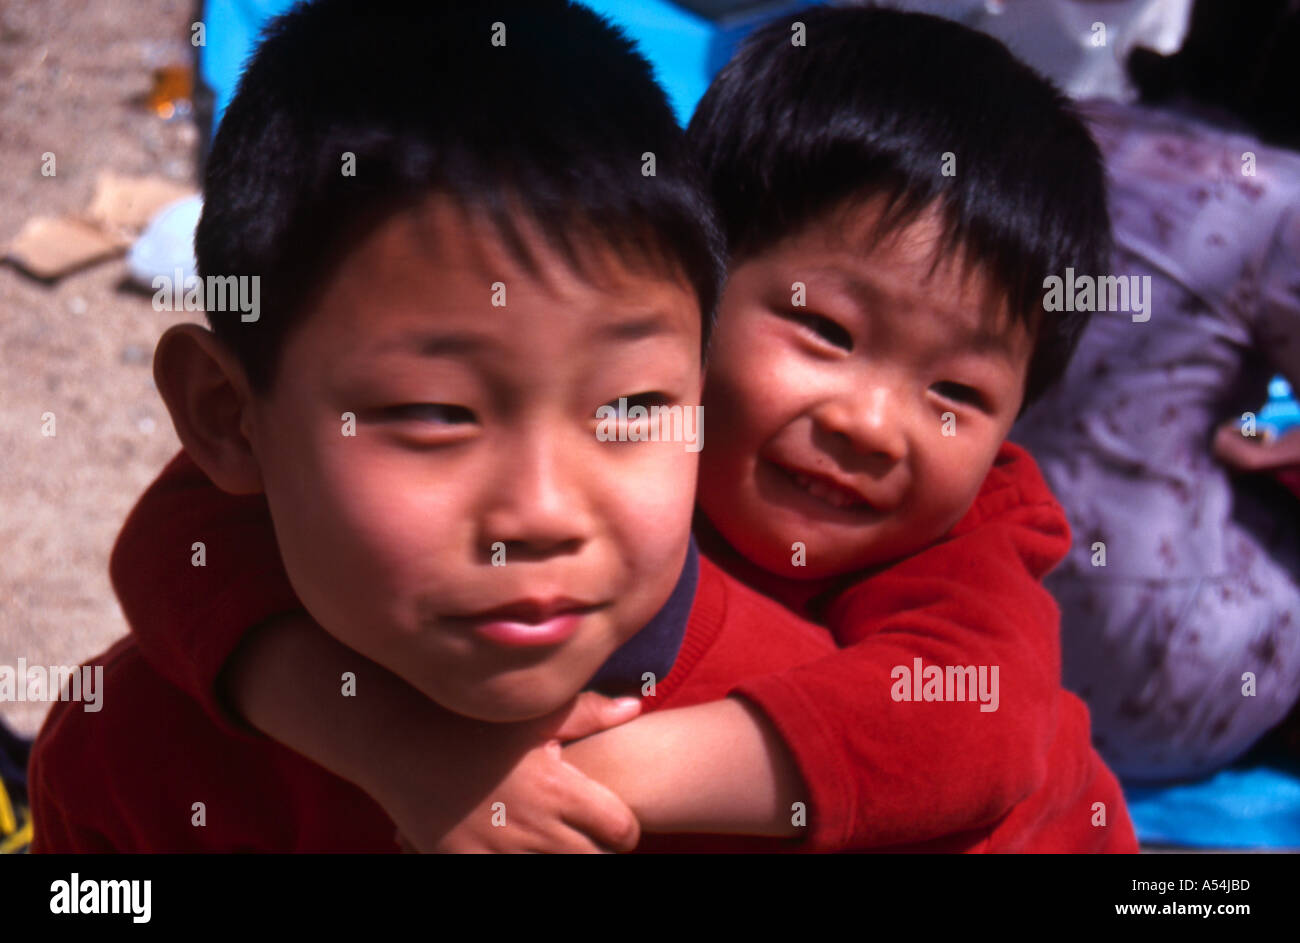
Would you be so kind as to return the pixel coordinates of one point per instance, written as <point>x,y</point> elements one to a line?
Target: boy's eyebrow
<point>636,328</point>
<point>864,292</point>
<point>426,343</point>
<point>987,342</point>
<point>435,343</point>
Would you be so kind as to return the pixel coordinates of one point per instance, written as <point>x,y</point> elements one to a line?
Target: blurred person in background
<point>1180,598</point>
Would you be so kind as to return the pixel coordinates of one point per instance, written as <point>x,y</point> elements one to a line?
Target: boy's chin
<point>506,705</point>
<point>808,562</point>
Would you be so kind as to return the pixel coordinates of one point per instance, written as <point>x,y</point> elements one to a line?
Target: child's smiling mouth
<point>832,494</point>
<point>823,492</point>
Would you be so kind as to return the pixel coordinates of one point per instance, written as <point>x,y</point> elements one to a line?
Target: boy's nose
<point>868,421</point>
<point>536,504</point>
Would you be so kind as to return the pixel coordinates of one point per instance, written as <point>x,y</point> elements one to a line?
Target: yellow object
<point>17,841</point>
<point>8,822</point>
<point>12,838</point>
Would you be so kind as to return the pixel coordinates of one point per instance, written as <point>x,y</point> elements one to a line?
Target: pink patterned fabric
<point>1201,582</point>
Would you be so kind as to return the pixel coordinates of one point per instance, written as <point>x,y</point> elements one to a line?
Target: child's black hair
<point>870,106</point>
<point>553,123</point>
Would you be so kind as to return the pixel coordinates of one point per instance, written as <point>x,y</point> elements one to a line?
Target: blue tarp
<point>1254,804</point>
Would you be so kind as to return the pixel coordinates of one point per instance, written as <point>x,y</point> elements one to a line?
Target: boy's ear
<point>210,402</point>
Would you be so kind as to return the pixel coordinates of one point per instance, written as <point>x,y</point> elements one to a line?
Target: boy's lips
<point>826,490</point>
<point>527,623</point>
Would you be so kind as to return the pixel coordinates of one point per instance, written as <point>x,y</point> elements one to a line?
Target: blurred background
<point>105,116</point>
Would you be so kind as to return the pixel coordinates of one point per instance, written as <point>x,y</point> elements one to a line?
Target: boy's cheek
<point>951,489</point>
<point>649,506</point>
<point>655,480</point>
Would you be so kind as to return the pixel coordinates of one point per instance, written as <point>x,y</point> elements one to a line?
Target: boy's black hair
<point>553,124</point>
<point>869,106</point>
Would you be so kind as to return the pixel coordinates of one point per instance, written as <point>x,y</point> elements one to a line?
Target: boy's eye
<point>445,414</point>
<point>645,400</point>
<point>638,427</point>
<point>961,393</point>
<point>825,329</point>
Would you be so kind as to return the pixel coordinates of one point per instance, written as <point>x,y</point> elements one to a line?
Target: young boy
<point>442,209</point>
<point>799,464</point>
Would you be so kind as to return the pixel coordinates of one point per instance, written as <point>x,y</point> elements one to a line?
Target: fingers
<point>546,805</point>
<point>598,814</point>
<point>1231,448</point>
<point>572,842</point>
<point>591,713</point>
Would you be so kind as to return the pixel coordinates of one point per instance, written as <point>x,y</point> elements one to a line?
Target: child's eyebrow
<point>435,344</point>
<point>864,291</point>
<point>859,289</point>
<point>636,328</point>
<point>987,342</point>
<point>424,343</point>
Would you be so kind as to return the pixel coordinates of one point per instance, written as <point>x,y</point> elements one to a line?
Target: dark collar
<point>655,647</point>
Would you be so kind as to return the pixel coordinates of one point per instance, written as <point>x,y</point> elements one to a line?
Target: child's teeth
<point>823,492</point>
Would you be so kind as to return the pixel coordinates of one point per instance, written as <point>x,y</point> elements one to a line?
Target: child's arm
<point>1245,455</point>
<point>716,768</point>
<point>870,771</point>
<point>910,771</point>
<point>435,773</point>
<point>878,771</point>
<point>190,608</point>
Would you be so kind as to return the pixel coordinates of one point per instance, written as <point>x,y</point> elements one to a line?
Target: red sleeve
<point>189,619</point>
<point>886,772</point>
<point>54,834</point>
<point>63,798</point>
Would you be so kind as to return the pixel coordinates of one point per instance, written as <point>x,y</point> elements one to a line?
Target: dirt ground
<point>71,76</point>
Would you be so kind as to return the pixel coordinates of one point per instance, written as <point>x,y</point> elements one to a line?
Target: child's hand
<point>1256,455</point>
<point>545,806</point>
<point>540,803</point>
